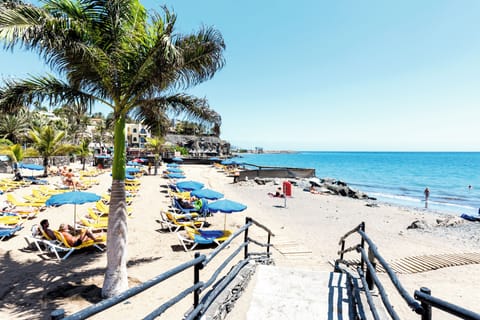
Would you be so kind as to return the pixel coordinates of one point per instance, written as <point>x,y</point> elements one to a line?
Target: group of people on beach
<point>74,237</point>
<point>69,179</point>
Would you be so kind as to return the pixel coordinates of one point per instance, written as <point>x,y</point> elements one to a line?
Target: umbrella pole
<point>225,222</point>
<point>75,218</point>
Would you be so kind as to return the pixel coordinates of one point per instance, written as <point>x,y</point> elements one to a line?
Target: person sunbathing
<point>277,194</point>
<point>44,225</point>
<point>192,203</point>
<point>313,190</point>
<point>73,240</point>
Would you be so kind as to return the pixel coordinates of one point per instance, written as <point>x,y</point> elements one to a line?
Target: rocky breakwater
<point>324,185</point>
<point>337,187</point>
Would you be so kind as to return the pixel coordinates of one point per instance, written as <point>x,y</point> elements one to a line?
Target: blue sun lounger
<point>8,232</point>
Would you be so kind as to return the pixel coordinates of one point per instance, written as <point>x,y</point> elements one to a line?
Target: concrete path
<point>287,293</point>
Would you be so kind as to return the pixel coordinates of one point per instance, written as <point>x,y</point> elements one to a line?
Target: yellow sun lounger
<point>104,209</point>
<point>11,199</point>
<point>10,220</point>
<point>65,247</point>
<point>175,222</point>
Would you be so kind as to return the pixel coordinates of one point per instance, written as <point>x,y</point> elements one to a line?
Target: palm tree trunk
<point>45,166</point>
<point>116,280</point>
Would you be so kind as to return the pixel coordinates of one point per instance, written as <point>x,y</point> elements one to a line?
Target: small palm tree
<point>49,143</point>
<point>83,151</point>
<point>13,151</point>
<point>15,126</point>
<point>155,145</point>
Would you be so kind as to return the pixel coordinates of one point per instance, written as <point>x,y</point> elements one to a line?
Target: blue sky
<point>337,75</point>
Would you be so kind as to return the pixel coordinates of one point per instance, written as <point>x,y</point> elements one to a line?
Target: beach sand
<point>32,285</point>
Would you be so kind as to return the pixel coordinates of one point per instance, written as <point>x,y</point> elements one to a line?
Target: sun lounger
<point>195,237</point>
<point>10,220</point>
<point>94,224</point>
<point>11,199</point>
<point>10,231</point>
<point>63,245</point>
<point>103,209</point>
<point>174,222</point>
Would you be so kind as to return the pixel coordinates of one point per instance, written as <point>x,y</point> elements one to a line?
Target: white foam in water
<point>420,203</point>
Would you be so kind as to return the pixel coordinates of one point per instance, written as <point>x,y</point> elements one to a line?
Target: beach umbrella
<point>227,162</point>
<point>30,166</point>
<point>225,206</point>
<point>214,159</point>
<point>177,159</point>
<point>127,176</point>
<point>174,170</point>
<point>175,176</point>
<point>132,170</point>
<point>72,197</point>
<point>189,185</point>
<point>173,165</point>
<point>207,194</point>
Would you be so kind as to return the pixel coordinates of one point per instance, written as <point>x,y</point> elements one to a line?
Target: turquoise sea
<point>395,177</point>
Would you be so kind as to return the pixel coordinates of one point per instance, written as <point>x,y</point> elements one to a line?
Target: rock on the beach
<point>418,224</point>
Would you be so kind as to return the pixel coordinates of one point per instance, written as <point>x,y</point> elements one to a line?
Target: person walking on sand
<point>427,194</point>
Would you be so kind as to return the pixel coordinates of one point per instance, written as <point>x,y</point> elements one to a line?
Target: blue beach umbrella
<point>189,185</point>
<point>127,176</point>
<point>227,162</point>
<point>177,159</point>
<point>175,176</point>
<point>174,170</point>
<point>207,194</point>
<point>173,165</point>
<point>30,166</point>
<point>214,159</point>
<point>225,206</point>
<point>72,197</point>
<point>132,170</point>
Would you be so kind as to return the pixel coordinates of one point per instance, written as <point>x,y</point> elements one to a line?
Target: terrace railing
<point>421,303</point>
<point>200,302</point>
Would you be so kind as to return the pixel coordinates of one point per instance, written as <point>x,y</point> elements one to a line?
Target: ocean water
<point>395,177</point>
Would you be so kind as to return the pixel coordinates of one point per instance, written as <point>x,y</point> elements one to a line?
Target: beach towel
<point>469,217</point>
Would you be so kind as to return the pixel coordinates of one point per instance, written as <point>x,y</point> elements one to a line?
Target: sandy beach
<point>33,285</point>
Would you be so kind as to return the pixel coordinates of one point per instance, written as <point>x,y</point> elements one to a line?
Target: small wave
<point>454,205</point>
<point>397,197</point>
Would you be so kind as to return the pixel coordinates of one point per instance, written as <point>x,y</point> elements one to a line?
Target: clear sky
<point>337,75</point>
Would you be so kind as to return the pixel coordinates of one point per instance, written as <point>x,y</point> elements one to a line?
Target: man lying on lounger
<point>75,240</point>
<point>44,224</point>
<point>277,194</point>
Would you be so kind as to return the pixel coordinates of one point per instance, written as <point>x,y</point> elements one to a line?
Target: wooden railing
<point>421,303</point>
<point>200,302</point>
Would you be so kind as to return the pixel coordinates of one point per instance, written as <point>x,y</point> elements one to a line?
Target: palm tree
<point>13,151</point>
<point>76,118</point>
<point>15,126</point>
<point>48,143</point>
<point>111,52</point>
<point>83,151</point>
<point>155,145</point>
